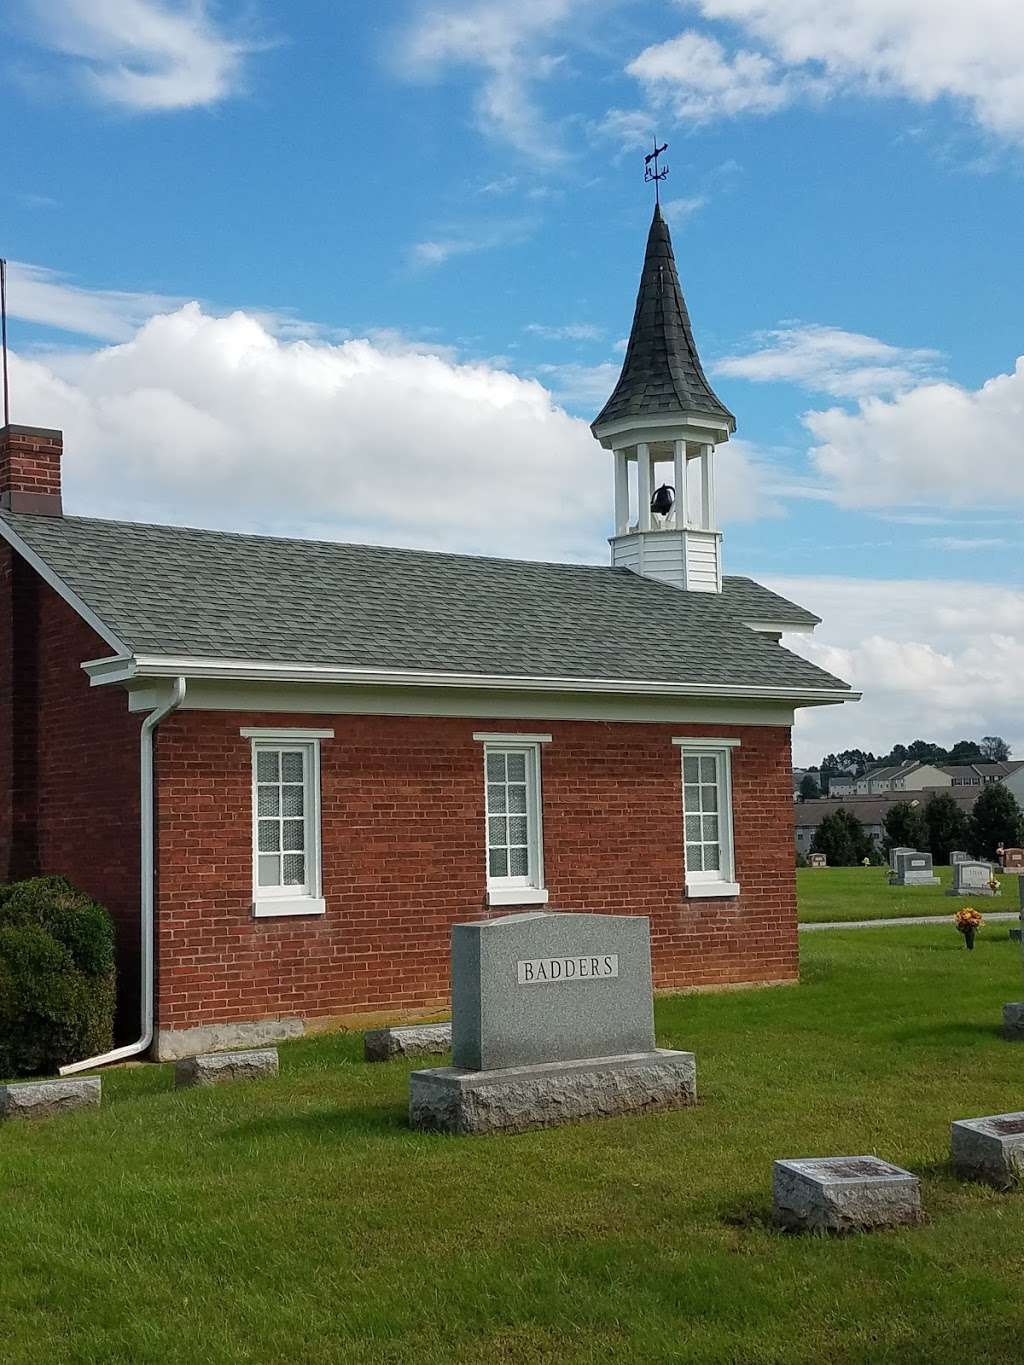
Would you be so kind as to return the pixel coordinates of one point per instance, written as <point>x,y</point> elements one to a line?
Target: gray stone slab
<point>217,1067</point>
<point>971,879</point>
<point>514,1099</point>
<point>414,1040</point>
<point>534,988</point>
<point>46,1099</point>
<point>894,854</point>
<point>1013,1022</point>
<point>844,1194</point>
<point>990,1149</point>
<point>959,855</point>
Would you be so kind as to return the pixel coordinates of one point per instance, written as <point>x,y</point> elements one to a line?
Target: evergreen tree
<point>947,824</point>
<point>996,819</point>
<point>842,839</point>
<point>904,827</point>
<point>809,789</point>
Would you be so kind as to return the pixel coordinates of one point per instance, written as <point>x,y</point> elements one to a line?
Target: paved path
<point>995,918</point>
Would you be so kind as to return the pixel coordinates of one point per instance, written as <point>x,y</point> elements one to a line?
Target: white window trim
<point>701,885</point>
<point>504,890</point>
<point>268,903</point>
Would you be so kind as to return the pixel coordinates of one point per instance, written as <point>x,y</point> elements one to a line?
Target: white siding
<point>703,570</point>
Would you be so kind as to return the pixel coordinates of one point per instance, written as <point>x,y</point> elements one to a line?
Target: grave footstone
<point>844,1194</point>
<point>913,868</point>
<point>552,1021</point>
<point>46,1099</point>
<point>990,1149</point>
<point>412,1040</point>
<point>971,878</point>
<point>215,1068</point>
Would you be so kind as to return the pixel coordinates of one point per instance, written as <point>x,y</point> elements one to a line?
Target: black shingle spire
<point>662,371</point>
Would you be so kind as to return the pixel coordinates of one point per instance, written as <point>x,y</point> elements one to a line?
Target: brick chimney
<point>30,470</point>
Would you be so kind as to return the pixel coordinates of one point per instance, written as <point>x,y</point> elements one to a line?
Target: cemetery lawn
<point>846,893</point>
<point>299,1220</point>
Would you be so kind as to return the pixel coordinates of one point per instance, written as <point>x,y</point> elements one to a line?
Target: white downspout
<point>148,870</point>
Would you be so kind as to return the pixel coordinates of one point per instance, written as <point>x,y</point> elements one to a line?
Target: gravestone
<point>1013,1014</point>
<point>817,860</point>
<point>215,1068</point>
<point>958,855</point>
<point>844,1194</point>
<point>971,878</point>
<point>45,1099</point>
<point>1013,859</point>
<point>913,869</point>
<point>894,853</point>
<point>990,1149</point>
<point>412,1040</point>
<point>552,1021</point>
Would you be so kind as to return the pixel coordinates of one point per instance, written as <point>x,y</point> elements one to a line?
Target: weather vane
<point>655,174</point>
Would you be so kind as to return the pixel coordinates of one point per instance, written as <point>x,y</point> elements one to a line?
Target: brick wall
<point>403,829</point>
<point>30,473</point>
<point>68,761</point>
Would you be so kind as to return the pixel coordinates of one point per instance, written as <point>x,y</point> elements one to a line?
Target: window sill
<point>300,905</point>
<point>517,895</point>
<point>699,891</point>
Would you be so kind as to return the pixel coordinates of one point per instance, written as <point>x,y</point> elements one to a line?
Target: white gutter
<point>128,668</point>
<point>148,870</point>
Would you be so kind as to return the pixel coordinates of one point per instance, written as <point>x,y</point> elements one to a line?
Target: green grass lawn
<point>299,1220</point>
<point>844,893</point>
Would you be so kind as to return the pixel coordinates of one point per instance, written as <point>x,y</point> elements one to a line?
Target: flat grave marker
<point>990,1149</point>
<point>844,1194</point>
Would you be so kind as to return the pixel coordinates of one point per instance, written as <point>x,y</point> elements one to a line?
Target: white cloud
<point>145,55</point>
<point>936,660</point>
<point>936,444</point>
<point>507,42</point>
<point>466,240</point>
<point>917,48</point>
<point>968,543</point>
<point>830,360</point>
<point>570,331</point>
<point>215,420</point>
<point>677,211</point>
<point>44,296</point>
<point>790,50</point>
<point>698,80</point>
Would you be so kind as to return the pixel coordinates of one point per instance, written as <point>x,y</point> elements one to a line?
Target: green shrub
<point>57,984</point>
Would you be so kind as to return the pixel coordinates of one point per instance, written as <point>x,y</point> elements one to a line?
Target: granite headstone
<point>913,868</point>
<point>971,878</point>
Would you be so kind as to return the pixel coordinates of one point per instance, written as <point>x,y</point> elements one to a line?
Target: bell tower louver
<point>663,412</point>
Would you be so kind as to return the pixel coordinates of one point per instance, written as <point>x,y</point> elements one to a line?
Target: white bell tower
<point>663,423</point>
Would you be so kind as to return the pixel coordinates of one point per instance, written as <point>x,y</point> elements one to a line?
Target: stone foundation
<point>844,1194</point>
<point>514,1099</point>
<point>170,1044</point>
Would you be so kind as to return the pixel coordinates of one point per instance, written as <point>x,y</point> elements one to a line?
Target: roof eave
<point>124,669</point>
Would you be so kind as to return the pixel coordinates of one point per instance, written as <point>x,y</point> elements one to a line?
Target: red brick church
<point>288,767</point>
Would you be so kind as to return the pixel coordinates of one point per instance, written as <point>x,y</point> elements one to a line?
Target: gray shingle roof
<point>662,372</point>
<point>751,602</point>
<point>172,591</point>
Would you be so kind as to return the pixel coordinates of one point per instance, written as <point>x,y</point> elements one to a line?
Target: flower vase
<point>969,933</point>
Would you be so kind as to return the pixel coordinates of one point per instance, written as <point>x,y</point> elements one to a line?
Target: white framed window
<point>710,868</point>
<point>286,858</point>
<point>514,829</point>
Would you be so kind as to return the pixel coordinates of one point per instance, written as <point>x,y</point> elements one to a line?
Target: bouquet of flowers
<point>968,921</point>
<point>993,884</point>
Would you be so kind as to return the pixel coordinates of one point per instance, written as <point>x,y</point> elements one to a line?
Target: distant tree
<point>809,788</point>
<point>897,754</point>
<point>842,839</point>
<point>996,819</point>
<point>947,824</point>
<point>994,749</point>
<point>926,752</point>
<point>904,827</point>
<point>966,751</point>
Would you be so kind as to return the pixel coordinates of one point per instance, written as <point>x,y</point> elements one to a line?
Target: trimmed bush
<point>57,984</point>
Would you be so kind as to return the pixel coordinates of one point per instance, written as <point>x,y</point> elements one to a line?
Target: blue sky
<point>299,268</point>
